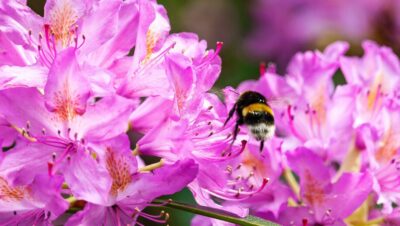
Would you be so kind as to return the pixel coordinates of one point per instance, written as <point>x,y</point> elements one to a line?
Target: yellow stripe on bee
<point>257,107</point>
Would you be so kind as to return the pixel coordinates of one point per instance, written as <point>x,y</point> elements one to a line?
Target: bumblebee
<point>253,111</point>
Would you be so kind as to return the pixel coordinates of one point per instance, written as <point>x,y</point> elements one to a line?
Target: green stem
<point>217,214</point>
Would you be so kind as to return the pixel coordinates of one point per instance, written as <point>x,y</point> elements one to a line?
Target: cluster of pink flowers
<point>340,140</point>
<point>283,27</point>
<point>71,90</point>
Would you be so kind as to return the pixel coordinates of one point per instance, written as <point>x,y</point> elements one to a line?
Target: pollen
<point>119,170</point>
<point>313,192</point>
<point>319,105</point>
<point>389,147</point>
<point>181,97</point>
<point>62,19</point>
<point>65,105</point>
<point>374,91</point>
<point>151,40</point>
<point>8,193</point>
<point>250,161</point>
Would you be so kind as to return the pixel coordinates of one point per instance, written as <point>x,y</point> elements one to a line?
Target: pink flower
<point>97,30</point>
<point>373,80</point>
<point>253,167</point>
<point>35,203</point>
<point>329,201</point>
<point>61,125</point>
<point>306,103</point>
<point>132,190</point>
<point>283,28</point>
<point>175,80</point>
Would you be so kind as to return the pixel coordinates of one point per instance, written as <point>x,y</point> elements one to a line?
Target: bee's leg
<point>236,130</point>
<point>235,133</point>
<point>231,112</point>
<point>261,145</point>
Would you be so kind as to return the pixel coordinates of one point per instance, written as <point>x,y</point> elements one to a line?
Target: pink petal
<point>163,181</point>
<point>87,179</point>
<point>16,19</point>
<point>121,42</point>
<point>67,89</point>
<point>150,113</point>
<point>104,119</point>
<point>21,164</point>
<point>28,76</point>
<point>349,192</point>
<point>25,106</point>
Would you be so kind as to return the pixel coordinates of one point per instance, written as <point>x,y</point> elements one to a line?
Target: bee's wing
<point>279,103</point>
<point>218,92</point>
<point>229,94</point>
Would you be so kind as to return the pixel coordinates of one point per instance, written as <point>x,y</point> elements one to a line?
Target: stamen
<point>50,166</point>
<point>24,133</point>
<point>47,35</point>
<point>154,218</point>
<point>153,61</point>
<point>229,169</point>
<point>43,57</point>
<point>291,122</point>
<point>54,141</point>
<point>83,41</point>
<point>217,50</point>
<point>262,68</point>
<point>229,153</point>
<point>237,195</point>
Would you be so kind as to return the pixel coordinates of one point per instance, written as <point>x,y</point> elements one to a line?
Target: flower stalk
<point>216,214</point>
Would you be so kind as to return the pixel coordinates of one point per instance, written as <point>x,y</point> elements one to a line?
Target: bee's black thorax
<point>248,98</point>
<point>253,117</point>
<point>253,110</point>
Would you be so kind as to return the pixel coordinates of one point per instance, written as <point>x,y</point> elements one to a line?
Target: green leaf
<point>217,214</point>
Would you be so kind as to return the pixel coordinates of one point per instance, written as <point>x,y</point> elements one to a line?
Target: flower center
<point>151,40</point>
<point>8,193</point>
<point>119,170</point>
<point>66,106</point>
<point>60,32</point>
<point>251,162</point>
<point>62,19</point>
<point>389,147</point>
<point>313,192</point>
